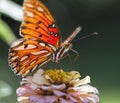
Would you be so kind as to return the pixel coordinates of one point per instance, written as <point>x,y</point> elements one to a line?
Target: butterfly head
<point>66,45</point>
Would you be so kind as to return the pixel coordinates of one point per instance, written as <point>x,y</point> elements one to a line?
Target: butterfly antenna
<point>72,36</point>
<point>86,36</point>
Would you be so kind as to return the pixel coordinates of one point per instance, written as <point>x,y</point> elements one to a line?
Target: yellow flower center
<point>59,76</point>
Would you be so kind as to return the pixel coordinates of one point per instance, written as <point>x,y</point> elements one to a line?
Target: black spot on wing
<point>40,35</point>
<point>23,27</point>
<point>27,22</point>
<point>25,46</point>
<point>36,27</point>
<point>38,22</point>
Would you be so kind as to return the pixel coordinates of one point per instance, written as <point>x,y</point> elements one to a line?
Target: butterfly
<point>41,41</point>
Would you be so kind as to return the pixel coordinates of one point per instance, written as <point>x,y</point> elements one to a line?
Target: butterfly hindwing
<point>24,55</point>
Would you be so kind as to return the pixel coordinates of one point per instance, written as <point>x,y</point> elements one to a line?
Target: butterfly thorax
<point>61,52</point>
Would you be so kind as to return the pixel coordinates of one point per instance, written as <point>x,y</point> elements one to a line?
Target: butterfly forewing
<point>38,23</point>
<point>27,54</point>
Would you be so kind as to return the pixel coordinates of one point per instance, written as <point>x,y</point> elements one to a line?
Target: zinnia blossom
<point>56,86</point>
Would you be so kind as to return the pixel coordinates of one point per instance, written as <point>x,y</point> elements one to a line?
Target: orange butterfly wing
<point>26,54</point>
<point>40,39</point>
<point>38,23</point>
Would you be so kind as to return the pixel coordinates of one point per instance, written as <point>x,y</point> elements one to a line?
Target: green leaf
<point>6,33</point>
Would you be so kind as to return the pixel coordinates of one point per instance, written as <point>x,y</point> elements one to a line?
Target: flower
<point>56,86</point>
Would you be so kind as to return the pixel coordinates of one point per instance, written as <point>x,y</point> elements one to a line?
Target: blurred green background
<point>99,56</point>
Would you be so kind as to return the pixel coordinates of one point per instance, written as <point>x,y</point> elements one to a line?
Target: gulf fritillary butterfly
<point>40,42</point>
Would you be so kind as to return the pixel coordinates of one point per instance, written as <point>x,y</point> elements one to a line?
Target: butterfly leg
<point>77,54</point>
<point>70,60</point>
<point>59,64</point>
<point>47,65</point>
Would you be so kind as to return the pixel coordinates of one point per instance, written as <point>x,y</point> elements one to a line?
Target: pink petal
<point>36,98</point>
<point>34,86</point>
<point>59,93</point>
<point>51,99</point>
<point>61,100</point>
<point>43,99</point>
<point>88,89</point>
<point>22,90</point>
<point>93,98</point>
<point>73,99</point>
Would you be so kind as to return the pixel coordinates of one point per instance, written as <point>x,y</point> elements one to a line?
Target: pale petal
<point>40,71</point>
<point>39,79</point>
<point>86,80</point>
<point>59,87</point>
<point>87,89</point>
<point>23,100</point>
<point>47,87</point>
